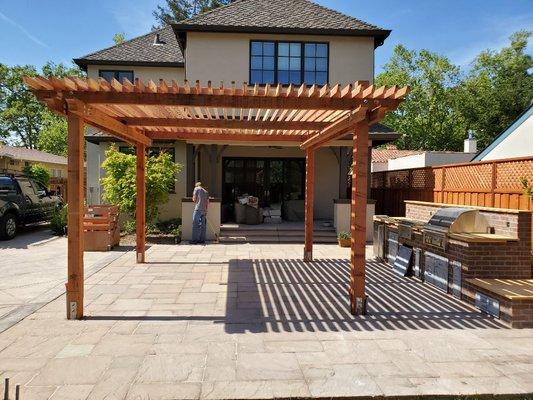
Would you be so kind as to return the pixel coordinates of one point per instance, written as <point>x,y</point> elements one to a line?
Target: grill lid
<point>458,220</point>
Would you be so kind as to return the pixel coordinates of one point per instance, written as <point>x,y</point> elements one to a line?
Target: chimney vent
<point>158,41</point>
<point>470,143</point>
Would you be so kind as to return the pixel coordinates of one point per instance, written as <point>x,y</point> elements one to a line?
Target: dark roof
<point>281,16</point>
<point>139,51</point>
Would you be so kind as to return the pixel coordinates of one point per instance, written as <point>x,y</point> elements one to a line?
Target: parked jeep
<point>24,201</point>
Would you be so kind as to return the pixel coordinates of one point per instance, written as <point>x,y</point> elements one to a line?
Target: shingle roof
<point>280,16</point>
<point>139,51</point>
<point>22,153</point>
<point>384,155</point>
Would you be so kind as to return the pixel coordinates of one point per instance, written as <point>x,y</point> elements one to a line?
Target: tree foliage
<point>38,172</point>
<point>426,120</point>
<point>119,181</point>
<point>22,118</point>
<point>119,38</point>
<point>177,10</point>
<point>498,88</point>
<point>445,103</point>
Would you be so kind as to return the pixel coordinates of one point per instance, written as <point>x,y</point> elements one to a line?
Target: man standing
<point>200,196</point>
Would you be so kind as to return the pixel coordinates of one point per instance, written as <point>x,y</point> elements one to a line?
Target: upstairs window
<point>108,75</point>
<point>289,63</point>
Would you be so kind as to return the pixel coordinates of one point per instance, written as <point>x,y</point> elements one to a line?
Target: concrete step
<point>240,238</point>
<point>255,232</point>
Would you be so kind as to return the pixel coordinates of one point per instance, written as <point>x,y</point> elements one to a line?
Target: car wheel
<point>8,226</point>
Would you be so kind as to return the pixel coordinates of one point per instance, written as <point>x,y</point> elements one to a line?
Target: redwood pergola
<point>139,112</point>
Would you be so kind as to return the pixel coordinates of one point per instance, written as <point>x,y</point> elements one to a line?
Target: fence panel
<point>487,184</point>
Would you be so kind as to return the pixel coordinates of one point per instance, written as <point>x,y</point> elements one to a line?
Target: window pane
<point>268,49</point>
<point>283,63</point>
<point>296,78</point>
<point>296,49</point>
<point>322,64</point>
<point>322,50</point>
<point>256,76</point>
<point>321,78</point>
<point>310,49</point>
<point>309,78</point>
<point>257,48</point>
<point>268,63</point>
<point>268,77</point>
<point>257,62</point>
<point>283,77</point>
<point>296,64</point>
<point>107,75</point>
<point>309,64</point>
<point>125,75</point>
<point>283,49</point>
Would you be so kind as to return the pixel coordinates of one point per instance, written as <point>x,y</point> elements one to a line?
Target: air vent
<point>158,41</point>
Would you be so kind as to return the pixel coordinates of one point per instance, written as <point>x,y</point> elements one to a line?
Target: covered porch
<point>138,113</point>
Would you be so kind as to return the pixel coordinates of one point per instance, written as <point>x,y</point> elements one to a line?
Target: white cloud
<point>23,30</point>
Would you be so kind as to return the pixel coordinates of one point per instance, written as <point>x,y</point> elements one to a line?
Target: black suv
<point>24,201</point>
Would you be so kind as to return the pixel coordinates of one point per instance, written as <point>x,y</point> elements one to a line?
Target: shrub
<point>119,182</point>
<point>38,172</point>
<point>58,223</point>
<point>129,227</point>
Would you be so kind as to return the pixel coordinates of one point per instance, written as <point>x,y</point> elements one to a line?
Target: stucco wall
<point>95,157</point>
<point>326,172</point>
<point>15,166</point>
<point>225,56</point>
<point>143,73</point>
<point>518,144</point>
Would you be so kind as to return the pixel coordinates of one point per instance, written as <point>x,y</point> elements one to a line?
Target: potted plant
<point>345,239</point>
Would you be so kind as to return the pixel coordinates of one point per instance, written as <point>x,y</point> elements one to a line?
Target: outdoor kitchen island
<point>464,251</point>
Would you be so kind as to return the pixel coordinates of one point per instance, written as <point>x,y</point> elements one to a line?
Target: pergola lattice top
<point>138,112</point>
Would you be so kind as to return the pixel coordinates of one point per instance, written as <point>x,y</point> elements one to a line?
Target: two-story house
<point>259,42</point>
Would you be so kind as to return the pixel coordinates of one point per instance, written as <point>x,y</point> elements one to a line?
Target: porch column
<point>76,213</point>
<point>140,210</point>
<point>309,194</point>
<point>358,219</point>
<point>343,172</point>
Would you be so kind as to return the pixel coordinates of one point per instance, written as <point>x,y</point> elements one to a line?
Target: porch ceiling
<point>139,112</point>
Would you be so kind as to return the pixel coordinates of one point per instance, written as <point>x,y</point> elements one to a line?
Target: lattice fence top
<point>509,174</point>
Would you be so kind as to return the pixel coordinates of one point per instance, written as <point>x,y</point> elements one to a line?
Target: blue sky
<point>36,31</point>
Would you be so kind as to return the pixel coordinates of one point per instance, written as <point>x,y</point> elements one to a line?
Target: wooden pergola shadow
<point>138,113</point>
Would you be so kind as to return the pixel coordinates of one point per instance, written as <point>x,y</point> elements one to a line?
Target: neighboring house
<point>515,141</point>
<point>259,42</point>
<point>15,159</point>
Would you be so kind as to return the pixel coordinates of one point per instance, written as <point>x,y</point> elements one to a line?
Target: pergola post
<point>309,197</point>
<point>358,219</point>
<point>76,213</point>
<point>140,210</point>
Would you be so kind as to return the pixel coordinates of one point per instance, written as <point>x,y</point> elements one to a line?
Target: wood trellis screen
<point>486,184</point>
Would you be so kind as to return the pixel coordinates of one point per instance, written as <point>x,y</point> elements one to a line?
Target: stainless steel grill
<point>453,220</point>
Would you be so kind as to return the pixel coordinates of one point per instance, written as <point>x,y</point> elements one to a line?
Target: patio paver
<point>253,321</point>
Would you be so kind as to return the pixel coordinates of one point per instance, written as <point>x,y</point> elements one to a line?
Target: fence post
<point>493,185</point>
<point>443,184</point>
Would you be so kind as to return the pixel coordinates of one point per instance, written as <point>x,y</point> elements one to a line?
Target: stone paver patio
<point>253,321</point>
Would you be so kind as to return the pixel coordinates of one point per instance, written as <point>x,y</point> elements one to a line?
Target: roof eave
<point>379,34</point>
<point>84,62</point>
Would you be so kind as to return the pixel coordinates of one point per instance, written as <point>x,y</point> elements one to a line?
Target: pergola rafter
<point>138,112</point>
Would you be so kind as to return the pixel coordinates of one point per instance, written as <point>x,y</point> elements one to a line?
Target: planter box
<point>101,228</point>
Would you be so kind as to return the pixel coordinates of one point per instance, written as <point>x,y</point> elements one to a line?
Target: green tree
<point>498,88</point>
<point>177,10</point>
<point>53,134</point>
<point>38,172</point>
<point>119,38</point>
<point>427,119</point>
<point>21,115</point>
<point>119,181</point>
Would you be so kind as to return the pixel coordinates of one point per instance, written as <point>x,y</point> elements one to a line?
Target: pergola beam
<point>336,129</point>
<point>228,124</point>
<point>222,101</point>
<point>100,120</point>
<point>225,137</point>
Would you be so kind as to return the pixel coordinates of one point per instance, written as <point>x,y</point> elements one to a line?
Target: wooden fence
<point>488,184</point>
